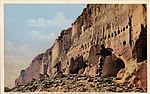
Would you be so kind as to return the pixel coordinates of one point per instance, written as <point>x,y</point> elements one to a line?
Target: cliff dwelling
<point>120,27</point>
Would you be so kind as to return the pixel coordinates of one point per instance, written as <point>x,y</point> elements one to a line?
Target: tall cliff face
<point>123,28</point>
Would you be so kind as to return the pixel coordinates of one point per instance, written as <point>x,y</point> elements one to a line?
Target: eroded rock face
<point>31,72</point>
<point>122,28</point>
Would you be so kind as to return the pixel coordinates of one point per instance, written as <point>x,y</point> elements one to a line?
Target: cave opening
<point>112,35</point>
<point>124,43</point>
<point>77,64</point>
<point>118,31</point>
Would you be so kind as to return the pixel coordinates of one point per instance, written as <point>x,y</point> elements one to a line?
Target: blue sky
<point>30,29</point>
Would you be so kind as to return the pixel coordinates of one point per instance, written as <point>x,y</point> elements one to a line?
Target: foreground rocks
<point>77,83</point>
<point>136,74</point>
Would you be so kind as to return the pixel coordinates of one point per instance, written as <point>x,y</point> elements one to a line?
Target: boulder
<point>139,79</point>
<point>136,75</point>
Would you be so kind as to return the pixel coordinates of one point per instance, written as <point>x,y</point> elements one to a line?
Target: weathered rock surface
<point>121,27</point>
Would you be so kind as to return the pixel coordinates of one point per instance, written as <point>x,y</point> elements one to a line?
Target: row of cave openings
<point>128,26</point>
<point>116,32</point>
<point>85,46</point>
<point>119,31</point>
<point>109,36</point>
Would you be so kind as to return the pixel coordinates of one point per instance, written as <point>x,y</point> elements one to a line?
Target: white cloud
<point>41,26</point>
<point>38,22</point>
<point>43,37</point>
<point>59,19</point>
<point>13,50</point>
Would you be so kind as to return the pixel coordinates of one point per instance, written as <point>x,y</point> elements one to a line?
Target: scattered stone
<point>59,74</point>
<point>55,85</point>
<point>78,84</point>
<point>90,80</point>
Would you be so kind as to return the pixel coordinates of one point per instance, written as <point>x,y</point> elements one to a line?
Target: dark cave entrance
<point>77,64</point>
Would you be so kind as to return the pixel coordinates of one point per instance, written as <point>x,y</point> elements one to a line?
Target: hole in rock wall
<point>82,46</point>
<point>124,43</point>
<point>85,46</point>
<point>108,36</point>
<point>118,31</point>
<point>94,42</point>
<point>112,35</point>
<point>126,26</point>
<point>76,65</point>
<point>123,28</point>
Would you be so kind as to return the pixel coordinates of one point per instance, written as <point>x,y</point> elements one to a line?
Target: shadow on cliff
<point>140,48</point>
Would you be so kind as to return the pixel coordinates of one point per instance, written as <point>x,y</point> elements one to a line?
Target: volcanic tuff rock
<point>123,28</point>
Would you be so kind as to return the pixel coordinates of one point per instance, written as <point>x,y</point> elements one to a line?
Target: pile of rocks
<point>77,83</point>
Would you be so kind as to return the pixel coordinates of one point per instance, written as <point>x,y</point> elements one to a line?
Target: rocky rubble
<point>77,83</point>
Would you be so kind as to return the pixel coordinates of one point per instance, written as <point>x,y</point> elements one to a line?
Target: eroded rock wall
<point>117,26</point>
